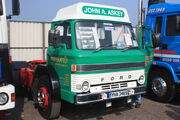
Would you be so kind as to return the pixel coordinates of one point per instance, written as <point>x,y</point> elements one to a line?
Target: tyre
<point>43,99</point>
<point>161,86</point>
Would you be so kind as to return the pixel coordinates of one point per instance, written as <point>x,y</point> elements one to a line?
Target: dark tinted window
<point>173,25</point>
<point>158,25</point>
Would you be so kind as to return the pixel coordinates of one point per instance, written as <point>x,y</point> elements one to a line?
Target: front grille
<point>122,85</point>
<point>114,86</point>
<point>106,87</point>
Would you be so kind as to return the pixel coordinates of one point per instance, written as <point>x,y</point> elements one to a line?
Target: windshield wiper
<point>103,47</point>
<point>127,48</point>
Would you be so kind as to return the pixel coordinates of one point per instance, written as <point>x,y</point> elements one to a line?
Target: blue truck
<point>164,75</point>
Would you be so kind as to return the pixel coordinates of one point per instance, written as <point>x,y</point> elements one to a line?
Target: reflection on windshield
<point>93,35</point>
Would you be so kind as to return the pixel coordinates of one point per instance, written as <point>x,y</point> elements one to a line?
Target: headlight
<point>85,86</point>
<point>3,98</point>
<point>141,80</point>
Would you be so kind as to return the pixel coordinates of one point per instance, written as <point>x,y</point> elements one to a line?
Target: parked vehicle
<point>7,91</point>
<point>93,55</point>
<point>164,78</point>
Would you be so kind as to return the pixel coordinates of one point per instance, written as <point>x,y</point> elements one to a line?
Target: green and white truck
<point>93,55</point>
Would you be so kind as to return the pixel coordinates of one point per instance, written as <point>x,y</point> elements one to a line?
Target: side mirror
<point>54,38</point>
<point>15,7</point>
<point>156,40</point>
<point>51,37</point>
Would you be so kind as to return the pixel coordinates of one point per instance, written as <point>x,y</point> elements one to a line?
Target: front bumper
<point>97,97</point>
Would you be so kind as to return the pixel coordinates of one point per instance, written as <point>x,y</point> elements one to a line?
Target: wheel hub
<point>159,86</point>
<point>42,97</point>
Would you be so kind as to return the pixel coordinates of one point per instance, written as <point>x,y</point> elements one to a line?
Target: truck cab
<point>7,90</point>
<point>164,77</point>
<point>93,55</point>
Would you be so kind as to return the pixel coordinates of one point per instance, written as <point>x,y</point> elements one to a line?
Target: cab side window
<point>64,34</point>
<point>158,27</point>
<point>173,25</point>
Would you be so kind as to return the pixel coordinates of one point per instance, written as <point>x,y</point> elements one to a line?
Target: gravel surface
<point>150,110</point>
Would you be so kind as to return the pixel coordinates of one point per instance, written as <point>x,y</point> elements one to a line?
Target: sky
<point>45,10</point>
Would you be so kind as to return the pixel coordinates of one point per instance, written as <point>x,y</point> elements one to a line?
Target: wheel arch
<point>54,80</point>
<point>165,67</point>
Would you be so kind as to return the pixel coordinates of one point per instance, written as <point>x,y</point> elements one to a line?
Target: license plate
<point>121,93</point>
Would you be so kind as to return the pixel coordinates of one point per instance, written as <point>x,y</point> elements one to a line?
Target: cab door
<point>158,26</point>
<point>59,52</point>
<point>171,40</point>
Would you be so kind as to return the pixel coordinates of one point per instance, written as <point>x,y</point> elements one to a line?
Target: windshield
<point>93,35</point>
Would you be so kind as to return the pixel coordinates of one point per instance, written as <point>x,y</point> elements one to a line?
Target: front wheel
<point>46,107</point>
<point>160,86</point>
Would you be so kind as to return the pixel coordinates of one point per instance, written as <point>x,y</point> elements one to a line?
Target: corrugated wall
<point>28,40</point>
